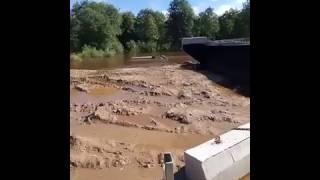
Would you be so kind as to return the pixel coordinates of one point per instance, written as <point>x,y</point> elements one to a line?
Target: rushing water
<point>127,61</point>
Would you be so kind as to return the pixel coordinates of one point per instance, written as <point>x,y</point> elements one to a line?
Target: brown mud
<point>123,119</point>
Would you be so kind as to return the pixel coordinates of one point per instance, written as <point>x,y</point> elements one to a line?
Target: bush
<point>147,46</point>
<point>91,52</point>
<point>75,57</point>
<point>131,46</point>
<point>108,52</point>
<point>112,47</point>
<point>117,46</point>
<point>164,47</point>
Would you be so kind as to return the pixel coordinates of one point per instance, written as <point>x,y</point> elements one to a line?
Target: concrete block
<point>229,160</point>
<point>168,166</point>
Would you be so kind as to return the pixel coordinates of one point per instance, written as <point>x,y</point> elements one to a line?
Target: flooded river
<point>127,61</point>
<point>123,116</point>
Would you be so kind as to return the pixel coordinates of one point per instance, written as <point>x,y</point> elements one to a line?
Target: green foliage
<point>97,29</point>
<point>132,47</point>
<point>208,24</point>
<point>128,20</point>
<point>164,47</point>
<point>147,25</point>
<point>94,24</point>
<point>180,21</point>
<point>151,32</point>
<point>227,24</point>
<point>242,23</point>
<point>114,45</point>
<point>75,58</point>
<point>91,52</point>
<point>235,23</point>
<point>147,46</point>
<point>74,40</point>
<point>196,29</point>
<point>127,29</point>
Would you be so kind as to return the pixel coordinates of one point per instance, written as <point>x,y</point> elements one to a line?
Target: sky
<point>219,6</point>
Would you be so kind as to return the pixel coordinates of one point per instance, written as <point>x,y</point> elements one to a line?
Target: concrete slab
<point>226,161</point>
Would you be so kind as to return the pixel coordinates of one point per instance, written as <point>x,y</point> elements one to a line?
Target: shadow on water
<point>180,174</point>
<point>238,83</point>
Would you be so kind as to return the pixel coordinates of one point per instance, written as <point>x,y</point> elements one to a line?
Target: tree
<point>196,26</point>
<point>97,24</point>
<point>242,23</point>
<point>101,28</point>
<point>207,24</point>
<point>160,21</point>
<point>150,29</point>
<point>127,29</point>
<point>74,29</point>
<point>227,24</point>
<point>150,15</point>
<point>180,22</point>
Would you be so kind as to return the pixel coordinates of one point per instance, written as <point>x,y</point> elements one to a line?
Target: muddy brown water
<point>119,61</point>
<point>132,173</point>
<point>101,94</point>
<point>142,139</point>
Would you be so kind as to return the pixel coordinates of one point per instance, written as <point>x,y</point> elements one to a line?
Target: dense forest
<point>98,29</point>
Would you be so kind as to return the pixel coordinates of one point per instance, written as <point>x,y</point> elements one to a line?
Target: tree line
<point>99,29</point>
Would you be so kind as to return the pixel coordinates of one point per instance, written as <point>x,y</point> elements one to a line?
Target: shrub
<point>147,46</point>
<point>164,47</point>
<point>112,47</point>
<point>132,46</point>
<point>91,52</point>
<point>75,57</point>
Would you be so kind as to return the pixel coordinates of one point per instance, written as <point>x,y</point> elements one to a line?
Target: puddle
<point>146,119</point>
<point>103,91</point>
<point>101,94</point>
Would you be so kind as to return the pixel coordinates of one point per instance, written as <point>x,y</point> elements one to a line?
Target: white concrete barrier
<point>228,160</point>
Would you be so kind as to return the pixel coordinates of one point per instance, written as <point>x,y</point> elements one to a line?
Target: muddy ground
<point>123,119</point>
